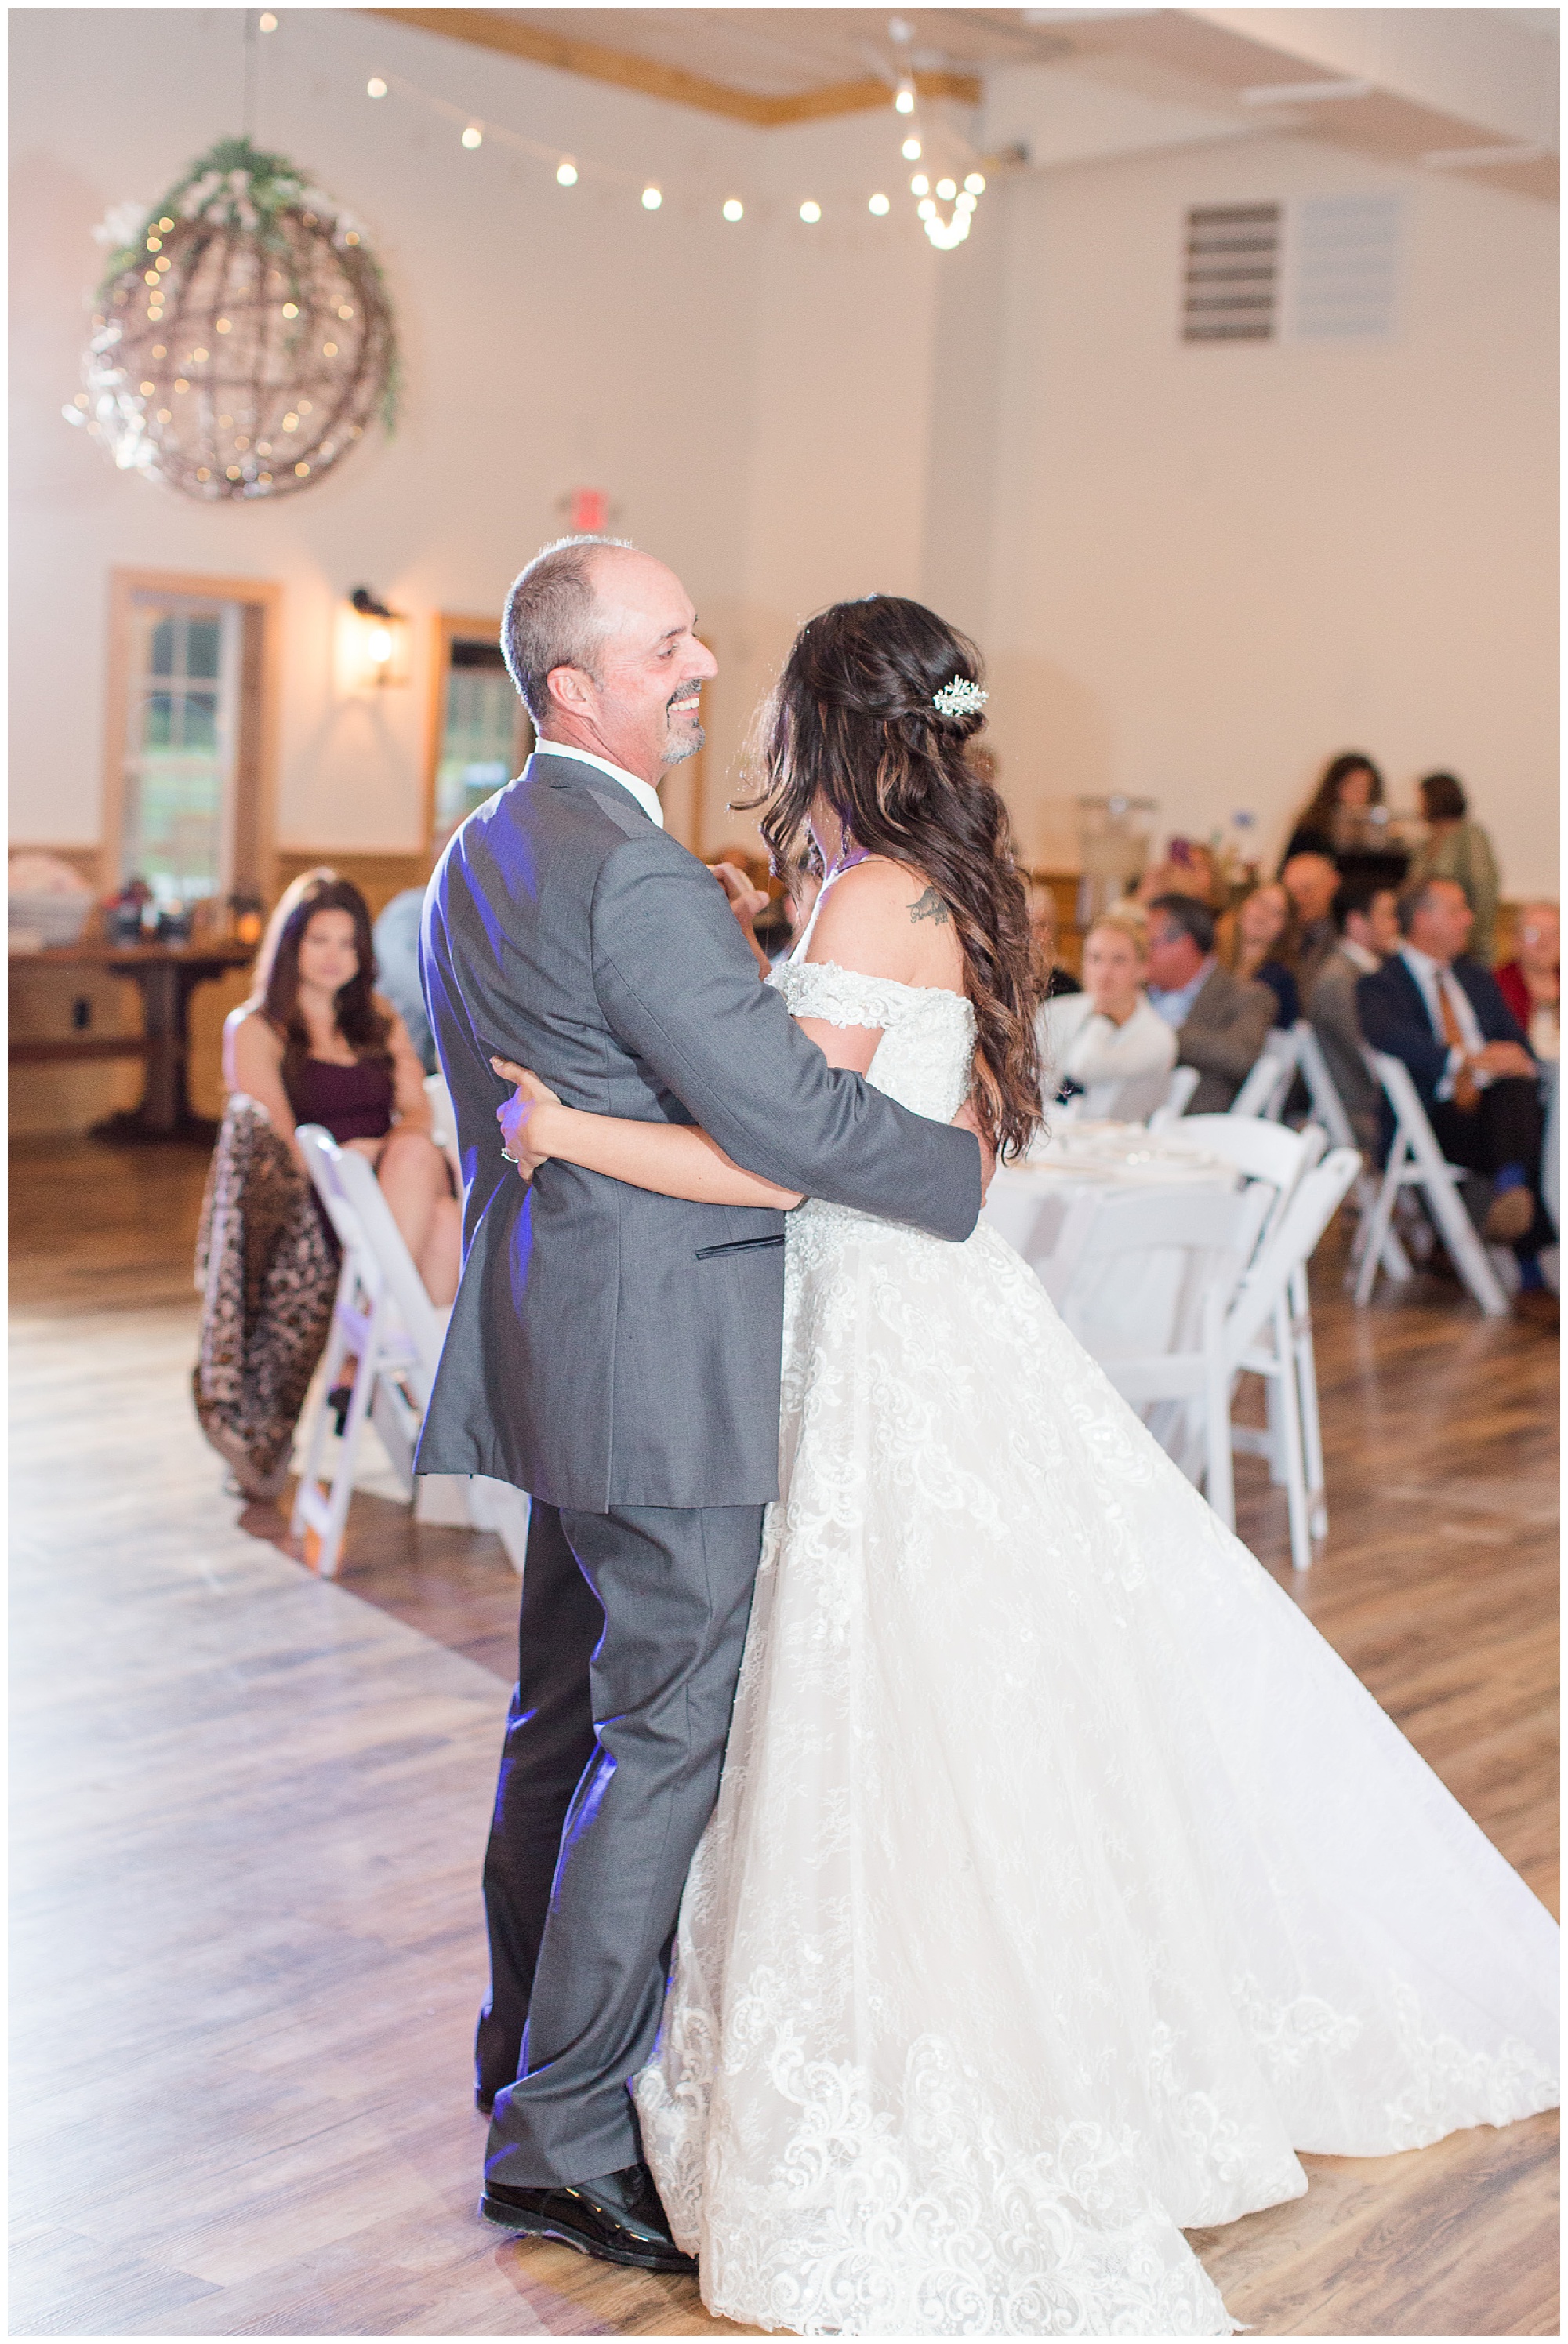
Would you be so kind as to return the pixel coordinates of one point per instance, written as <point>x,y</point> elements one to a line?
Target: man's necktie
<point>1466,1091</point>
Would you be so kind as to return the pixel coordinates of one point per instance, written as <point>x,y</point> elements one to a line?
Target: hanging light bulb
<point>974,184</point>
<point>266,22</point>
<point>926,209</point>
<point>946,189</point>
<point>920,184</point>
<point>734,209</point>
<point>566,172</point>
<point>904,101</point>
<point>880,207</point>
<point>651,199</point>
<point>473,136</point>
<point>375,86</point>
<point>912,150</point>
<point>810,213</point>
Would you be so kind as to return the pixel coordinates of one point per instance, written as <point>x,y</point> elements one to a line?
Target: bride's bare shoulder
<point>885,919</point>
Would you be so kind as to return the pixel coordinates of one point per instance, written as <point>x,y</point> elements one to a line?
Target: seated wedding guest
<point>1187,868</point>
<point>1107,1033</point>
<point>1043,927</point>
<point>314,1044</point>
<point>1257,939</point>
<point>1530,983</point>
<point>1458,849</point>
<point>1312,883</point>
<point>1368,930</point>
<point>396,941</point>
<point>1219,1020</point>
<point>1441,1013</point>
<point>1328,823</point>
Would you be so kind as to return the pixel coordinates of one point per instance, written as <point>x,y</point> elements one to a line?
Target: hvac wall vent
<point>1232,273</point>
<point>1344,271</point>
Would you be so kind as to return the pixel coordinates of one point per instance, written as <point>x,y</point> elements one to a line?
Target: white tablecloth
<point>1133,1307</point>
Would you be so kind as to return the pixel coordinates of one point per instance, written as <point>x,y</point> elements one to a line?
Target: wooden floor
<point>248,1810</point>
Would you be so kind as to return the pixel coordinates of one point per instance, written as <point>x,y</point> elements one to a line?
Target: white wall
<point>1197,572</point>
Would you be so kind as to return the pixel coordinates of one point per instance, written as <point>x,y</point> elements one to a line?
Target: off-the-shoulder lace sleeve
<point>841,996</point>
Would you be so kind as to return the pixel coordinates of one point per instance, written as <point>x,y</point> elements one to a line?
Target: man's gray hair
<point>552,618</point>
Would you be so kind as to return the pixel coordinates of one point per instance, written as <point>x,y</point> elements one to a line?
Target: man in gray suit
<point>617,1353</point>
<point>1368,930</point>
<point>1220,1020</point>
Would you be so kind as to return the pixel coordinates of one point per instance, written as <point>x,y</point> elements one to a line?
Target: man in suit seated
<point>1368,930</point>
<point>1442,1014</point>
<point>1219,1020</point>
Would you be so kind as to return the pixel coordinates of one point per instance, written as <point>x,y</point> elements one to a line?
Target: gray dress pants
<point>630,1643</point>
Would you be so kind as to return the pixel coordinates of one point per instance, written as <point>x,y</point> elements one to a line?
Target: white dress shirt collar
<point>647,798</point>
<point>1361,956</point>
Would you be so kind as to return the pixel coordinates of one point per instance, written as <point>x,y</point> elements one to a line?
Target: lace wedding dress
<point>1063,1883</point>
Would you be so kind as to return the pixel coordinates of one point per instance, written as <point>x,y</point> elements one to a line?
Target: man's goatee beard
<point>678,752</point>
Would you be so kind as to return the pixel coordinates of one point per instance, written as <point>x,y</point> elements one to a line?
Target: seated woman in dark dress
<point>1257,940</point>
<point>314,1044</point>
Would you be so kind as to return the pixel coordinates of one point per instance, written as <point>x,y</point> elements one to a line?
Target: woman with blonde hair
<point>1107,1033</point>
<point>316,1043</point>
<point>1257,940</point>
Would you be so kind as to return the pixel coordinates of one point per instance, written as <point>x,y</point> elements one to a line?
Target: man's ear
<point>568,688</point>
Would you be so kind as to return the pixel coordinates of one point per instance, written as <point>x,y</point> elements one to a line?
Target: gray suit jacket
<point>1223,1037</point>
<point>1332,1009</point>
<point>609,1346</point>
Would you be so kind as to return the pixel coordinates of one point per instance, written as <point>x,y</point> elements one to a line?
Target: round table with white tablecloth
<point>1029,1202</point>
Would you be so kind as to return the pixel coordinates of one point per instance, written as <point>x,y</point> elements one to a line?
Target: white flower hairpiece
<point>959,697</point>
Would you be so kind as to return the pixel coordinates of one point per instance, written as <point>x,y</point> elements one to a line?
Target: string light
<point>267,22</point>
<point>944,233</point>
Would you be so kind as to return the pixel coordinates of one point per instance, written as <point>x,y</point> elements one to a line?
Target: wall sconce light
<point>382,641</point>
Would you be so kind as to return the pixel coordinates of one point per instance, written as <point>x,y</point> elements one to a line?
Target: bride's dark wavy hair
<point>852,721</point>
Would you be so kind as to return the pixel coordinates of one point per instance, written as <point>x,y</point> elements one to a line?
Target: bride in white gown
<point>1063,1883</point>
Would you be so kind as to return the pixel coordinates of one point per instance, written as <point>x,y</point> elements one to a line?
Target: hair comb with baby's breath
<point>959,697</point>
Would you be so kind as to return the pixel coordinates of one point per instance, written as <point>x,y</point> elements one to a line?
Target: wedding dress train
<point>1063,1883</point>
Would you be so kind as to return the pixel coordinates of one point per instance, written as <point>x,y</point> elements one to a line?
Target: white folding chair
<point>444,1125</point>
<point>1181,1084</point>
<point>384,1318</point>
<point>1286,1361</point>
<point>1212,1232</point>
<point>1329,1109</point>
<point>1128,1098</point>
<point>1416,1161</point>
<point>1203,1374</point>
<point>1268,1086</point>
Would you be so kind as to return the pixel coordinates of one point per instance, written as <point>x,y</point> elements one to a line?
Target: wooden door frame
<point>264,594</point>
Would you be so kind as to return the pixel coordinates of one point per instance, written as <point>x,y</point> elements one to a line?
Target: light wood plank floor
<point>248,1810</point>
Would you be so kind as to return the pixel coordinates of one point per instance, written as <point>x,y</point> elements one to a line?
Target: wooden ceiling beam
<point>487,28</point>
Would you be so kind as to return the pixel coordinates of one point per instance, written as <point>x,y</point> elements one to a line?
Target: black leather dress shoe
<point>617,2219</point>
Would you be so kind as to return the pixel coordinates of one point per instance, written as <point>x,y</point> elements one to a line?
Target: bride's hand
<point>524,1118</point>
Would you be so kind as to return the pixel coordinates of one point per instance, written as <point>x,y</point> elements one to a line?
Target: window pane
<point>157,726</point>
<point>201,720</point>
<point>204,646</point>
<point>162,660</point>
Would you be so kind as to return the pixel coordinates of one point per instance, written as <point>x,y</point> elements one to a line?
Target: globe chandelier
<point>242,337</point>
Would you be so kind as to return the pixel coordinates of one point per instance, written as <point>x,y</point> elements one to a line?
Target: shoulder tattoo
<point>930,907</point>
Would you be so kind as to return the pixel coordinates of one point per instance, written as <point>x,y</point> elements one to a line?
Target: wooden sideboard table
<point>165,976</point>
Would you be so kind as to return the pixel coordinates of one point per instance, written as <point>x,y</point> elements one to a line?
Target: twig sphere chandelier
<point>242,337</point>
